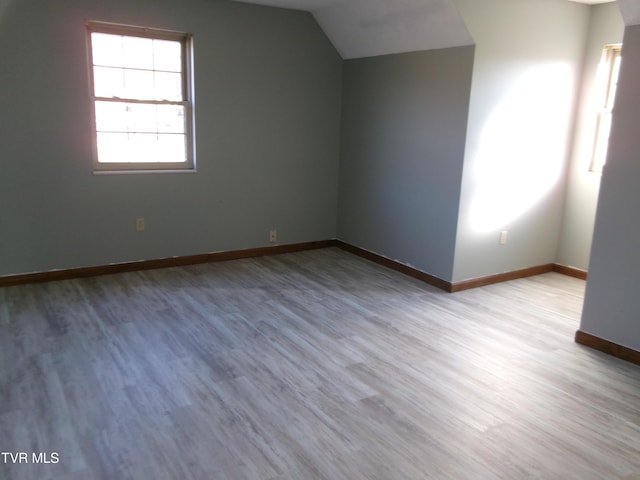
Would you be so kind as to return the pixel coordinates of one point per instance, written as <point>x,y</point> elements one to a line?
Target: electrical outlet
<point>503,237</point>
<point>273,235</point>
<point>139,224</point>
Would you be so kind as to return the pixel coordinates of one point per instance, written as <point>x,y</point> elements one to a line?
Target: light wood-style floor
<point>305,366</point>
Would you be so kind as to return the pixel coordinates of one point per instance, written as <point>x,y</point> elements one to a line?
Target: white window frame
<point>187,101</point>
<point>607,81</point>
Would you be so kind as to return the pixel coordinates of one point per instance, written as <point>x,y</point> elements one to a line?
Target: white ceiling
<point>592,2</point>
<point>366,28</point>
<point>630,10</point>
<point>311,5</point>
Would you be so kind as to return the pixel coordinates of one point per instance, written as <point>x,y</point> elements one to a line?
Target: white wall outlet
<point>273,235</point>
<point>139,224</point>
<point>503,237</point>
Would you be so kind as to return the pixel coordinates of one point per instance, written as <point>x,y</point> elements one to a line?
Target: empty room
<point>319,239</point>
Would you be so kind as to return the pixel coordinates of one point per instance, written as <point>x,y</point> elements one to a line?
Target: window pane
<point>167,55</point>
<point>108,82</point>
<point>171,119</point>
<point>139,118</point>
<point>107,49</point>
<point>168,86</point>
<point>111,117</point>
<point>608,72</point>
<point>141,148</point>
<point>172,148</point>
<point>142,118</point>
<point>602,141</point>
<point>138,53</point>
<point>616,67</point>
<point>126,117</point>
<point>127,148</point>
<point>113,147</point>
<point>613,85</point>
<point>144,147</point>
<point>138,84</point>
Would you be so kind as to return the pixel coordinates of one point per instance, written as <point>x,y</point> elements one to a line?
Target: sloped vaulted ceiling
<point>630,10</point>
<point>366,28</point>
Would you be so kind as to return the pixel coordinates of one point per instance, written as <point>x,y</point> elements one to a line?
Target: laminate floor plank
<point>316,365</point>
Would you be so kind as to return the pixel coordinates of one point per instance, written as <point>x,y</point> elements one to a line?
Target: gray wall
<point>612,305</point>
<point>525,82</point>
<point>268,86</point>
<point>403,130</point>
<point>605,27</point>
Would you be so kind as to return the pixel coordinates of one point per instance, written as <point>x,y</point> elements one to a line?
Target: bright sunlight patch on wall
<point>522,148</point>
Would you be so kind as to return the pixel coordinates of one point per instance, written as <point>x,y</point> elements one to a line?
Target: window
<point>607,84</point>
<point>142,98</point>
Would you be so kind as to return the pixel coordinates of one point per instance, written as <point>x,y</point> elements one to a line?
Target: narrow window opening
<point>608,72</point>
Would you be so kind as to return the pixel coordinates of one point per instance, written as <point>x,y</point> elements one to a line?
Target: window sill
<point>125,172</point>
